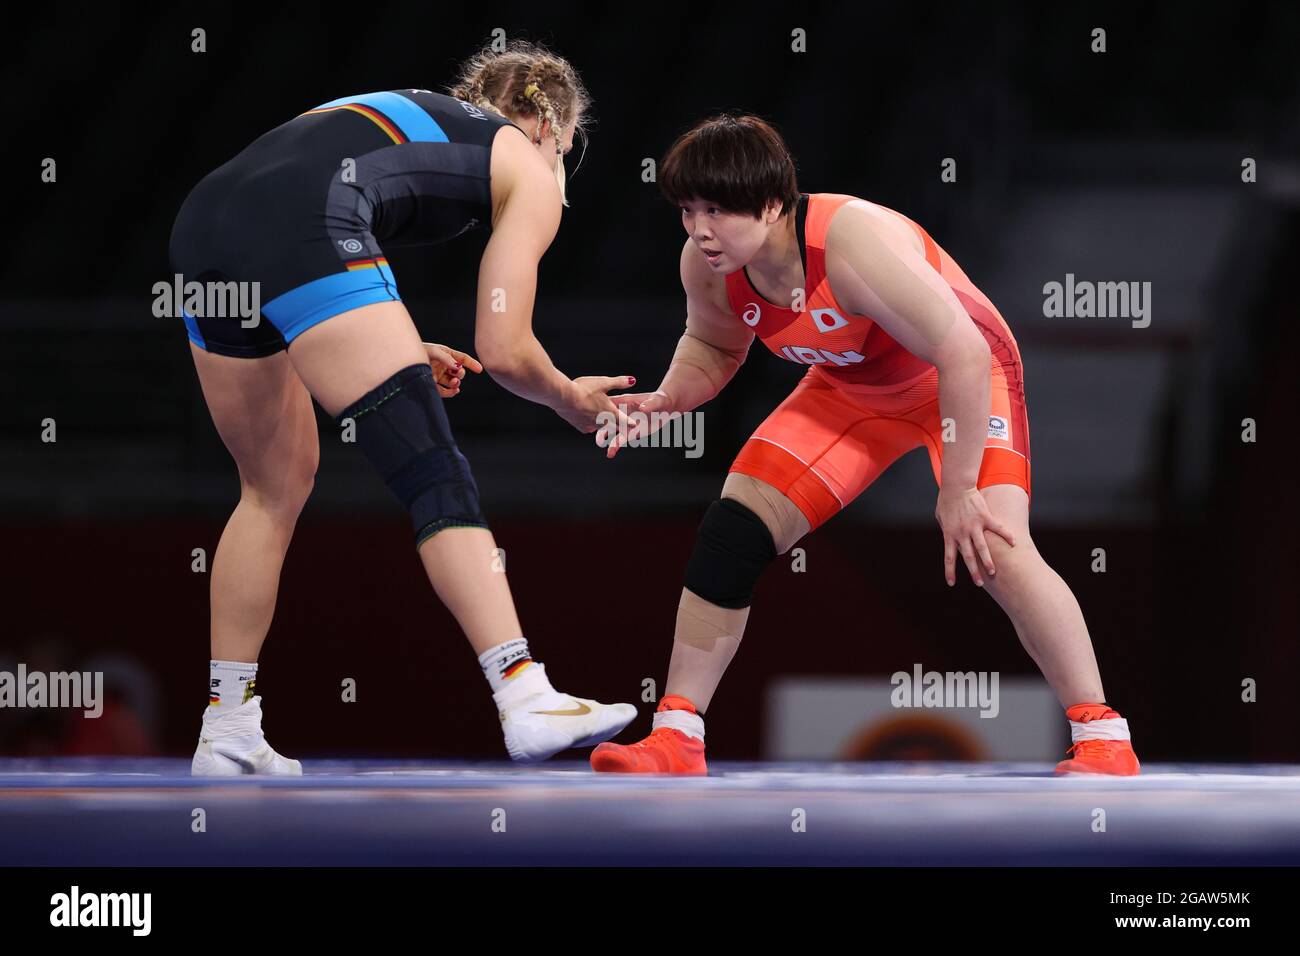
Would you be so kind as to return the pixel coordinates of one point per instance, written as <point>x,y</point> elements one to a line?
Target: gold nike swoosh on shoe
<point>577,712</point>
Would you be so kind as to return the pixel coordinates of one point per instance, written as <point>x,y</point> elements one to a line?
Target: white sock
<point>506,663</point>
<point>230,683</point>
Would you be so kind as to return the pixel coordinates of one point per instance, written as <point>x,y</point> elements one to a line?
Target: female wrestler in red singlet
<point>903,351</point>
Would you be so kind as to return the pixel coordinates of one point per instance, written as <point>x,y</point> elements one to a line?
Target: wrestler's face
<point>729,240</point>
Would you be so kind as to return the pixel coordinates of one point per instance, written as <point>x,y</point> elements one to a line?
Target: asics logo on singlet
<point>828,320</point>
<point>806,356</point>
<point>751,315</point>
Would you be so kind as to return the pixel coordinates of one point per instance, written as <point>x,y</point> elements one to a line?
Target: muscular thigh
<point>1009,504</point>
<point>346,356</point>
<point>822,447</point>
<point>264,415</point>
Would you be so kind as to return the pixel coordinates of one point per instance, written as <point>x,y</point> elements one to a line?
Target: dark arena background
<point>1162,152</point>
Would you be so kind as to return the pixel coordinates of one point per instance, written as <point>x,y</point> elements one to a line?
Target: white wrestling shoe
<point>232,745</point>
<point>538,721</point>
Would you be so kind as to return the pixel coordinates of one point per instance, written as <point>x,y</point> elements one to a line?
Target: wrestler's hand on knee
<point>449,367</point>
<point>965,518</point>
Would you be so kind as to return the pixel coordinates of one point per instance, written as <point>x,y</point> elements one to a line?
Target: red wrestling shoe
<point>666,750</point>
<point>1101,756</point>
<point>1110,751</point>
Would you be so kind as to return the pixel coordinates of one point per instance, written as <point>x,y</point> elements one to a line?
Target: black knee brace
<point>402,428</point>
<point>732,548</point>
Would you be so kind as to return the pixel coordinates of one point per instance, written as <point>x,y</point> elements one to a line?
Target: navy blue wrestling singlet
<point>306,208</point>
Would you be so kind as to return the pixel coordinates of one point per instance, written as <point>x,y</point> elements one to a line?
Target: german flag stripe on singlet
<point>400,118</point>
<point>375,263</point>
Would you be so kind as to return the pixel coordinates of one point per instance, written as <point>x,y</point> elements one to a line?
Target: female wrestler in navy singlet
<point>304,213</point>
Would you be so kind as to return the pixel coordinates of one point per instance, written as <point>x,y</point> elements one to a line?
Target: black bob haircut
<point>739,162</point>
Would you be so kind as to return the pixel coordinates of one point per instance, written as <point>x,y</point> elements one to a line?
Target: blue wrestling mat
<point>96,812</point>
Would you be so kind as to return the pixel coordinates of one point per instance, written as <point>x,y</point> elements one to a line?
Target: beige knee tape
<point>701,624</point>
<point>781,515</point>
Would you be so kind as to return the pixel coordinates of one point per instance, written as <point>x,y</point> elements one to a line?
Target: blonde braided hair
<point>526,79</point>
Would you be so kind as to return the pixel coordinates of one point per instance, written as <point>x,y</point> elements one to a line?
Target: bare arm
<point>714,344</point>
<point>708,354</point>
<point>878,272</point>
<point>507,275</point>
<point>525,222</point>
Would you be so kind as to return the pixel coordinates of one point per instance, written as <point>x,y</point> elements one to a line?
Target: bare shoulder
<point>517,169</point>
<point>863,222</point>
<point>701,283</point>
<point>866,243</point>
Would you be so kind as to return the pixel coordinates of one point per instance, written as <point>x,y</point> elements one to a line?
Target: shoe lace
<point>1091,749</point>
<point>648,742</point>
